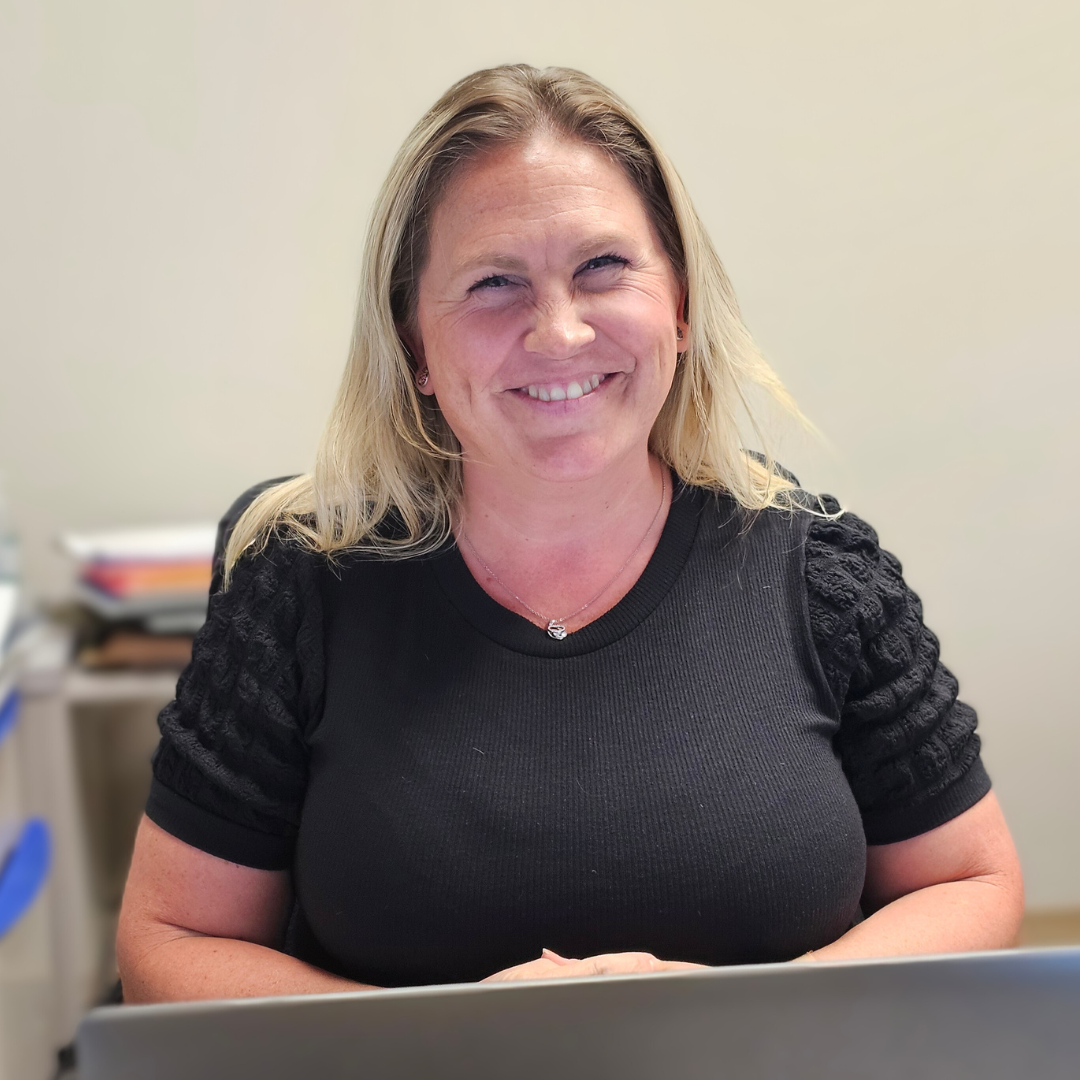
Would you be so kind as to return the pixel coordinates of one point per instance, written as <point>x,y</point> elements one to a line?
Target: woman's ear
<point>414,351</point>
<point>682,321</point>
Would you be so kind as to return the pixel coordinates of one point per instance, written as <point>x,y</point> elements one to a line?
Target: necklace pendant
<point>556,630</point>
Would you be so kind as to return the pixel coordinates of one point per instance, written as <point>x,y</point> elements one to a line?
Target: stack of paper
<point>157,576</point>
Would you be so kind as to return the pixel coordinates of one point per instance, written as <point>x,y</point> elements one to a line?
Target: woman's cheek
<point>492,328</point>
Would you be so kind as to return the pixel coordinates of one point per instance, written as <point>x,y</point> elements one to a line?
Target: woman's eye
<point>602,262</point>
<point>496,281</point>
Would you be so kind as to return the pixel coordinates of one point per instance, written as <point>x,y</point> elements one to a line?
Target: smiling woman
<point>395,760</point>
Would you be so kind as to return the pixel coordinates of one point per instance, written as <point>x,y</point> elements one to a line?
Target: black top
<point>696,773</point>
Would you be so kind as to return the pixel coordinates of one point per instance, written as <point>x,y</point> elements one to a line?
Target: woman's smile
<point>570,391</point>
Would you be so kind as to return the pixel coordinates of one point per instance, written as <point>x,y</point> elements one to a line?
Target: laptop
<point>987,1016</point>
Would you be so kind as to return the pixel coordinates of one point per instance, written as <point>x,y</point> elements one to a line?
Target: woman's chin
<point>572,460</point>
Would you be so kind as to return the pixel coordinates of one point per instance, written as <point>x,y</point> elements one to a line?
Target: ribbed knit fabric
<point>696,773</point>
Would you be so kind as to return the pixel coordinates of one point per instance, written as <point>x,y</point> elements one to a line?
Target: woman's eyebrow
<point>493,259</point>
<point>602,243</point>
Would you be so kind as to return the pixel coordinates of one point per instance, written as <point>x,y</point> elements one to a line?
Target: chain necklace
<point>556,628</point>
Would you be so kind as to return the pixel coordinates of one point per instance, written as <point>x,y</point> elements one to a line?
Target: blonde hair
<point>388,473</point>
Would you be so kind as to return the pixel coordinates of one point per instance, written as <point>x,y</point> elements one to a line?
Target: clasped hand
<point>550,965</point>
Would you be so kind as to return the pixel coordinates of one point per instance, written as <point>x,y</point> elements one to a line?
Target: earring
<point>422,378</point>
<point>678,333</point>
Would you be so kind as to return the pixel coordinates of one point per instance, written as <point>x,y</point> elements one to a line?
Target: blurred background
<point>183,200</point>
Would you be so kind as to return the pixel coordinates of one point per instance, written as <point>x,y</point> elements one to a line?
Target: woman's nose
<point>558,332</point>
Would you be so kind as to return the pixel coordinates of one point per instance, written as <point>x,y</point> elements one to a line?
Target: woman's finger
<point>555,958</point>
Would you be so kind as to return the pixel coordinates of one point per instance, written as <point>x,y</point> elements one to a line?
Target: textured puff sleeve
<point>908,747</point>
<point>231,768</point>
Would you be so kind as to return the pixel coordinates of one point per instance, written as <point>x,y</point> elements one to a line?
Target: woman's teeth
<point>557,392</point>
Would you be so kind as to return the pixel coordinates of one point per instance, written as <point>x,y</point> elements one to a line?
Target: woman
<point>540,674</point>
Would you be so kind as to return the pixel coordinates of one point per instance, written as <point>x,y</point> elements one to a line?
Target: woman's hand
<point>551,965</point>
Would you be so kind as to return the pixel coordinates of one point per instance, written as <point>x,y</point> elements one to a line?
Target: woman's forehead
<point>547,187</point>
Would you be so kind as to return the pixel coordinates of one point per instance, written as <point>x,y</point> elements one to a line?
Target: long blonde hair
<point>388,473</point>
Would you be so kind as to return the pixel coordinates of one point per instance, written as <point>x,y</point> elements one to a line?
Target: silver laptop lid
<point>986,1016</point>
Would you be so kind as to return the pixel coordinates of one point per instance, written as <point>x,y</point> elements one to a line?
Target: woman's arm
<point>955,888</point>
<point>195,926</point>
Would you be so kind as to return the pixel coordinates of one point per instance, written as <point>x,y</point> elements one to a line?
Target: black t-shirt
<point>695,774</point>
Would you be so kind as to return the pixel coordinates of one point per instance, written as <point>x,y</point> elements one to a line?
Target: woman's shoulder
<point>841,548</point>
<point>855,587</point>
<point>272,601</point>
<point>227,524</point>
<point>285,549</point>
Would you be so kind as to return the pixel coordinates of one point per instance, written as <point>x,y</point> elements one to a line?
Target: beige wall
<point>892,186</point>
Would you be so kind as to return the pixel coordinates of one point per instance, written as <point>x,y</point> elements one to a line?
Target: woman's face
<point>547,312</point>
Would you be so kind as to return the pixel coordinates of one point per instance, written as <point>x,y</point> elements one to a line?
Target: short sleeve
<point>231,768</point>
<point>907,744</point>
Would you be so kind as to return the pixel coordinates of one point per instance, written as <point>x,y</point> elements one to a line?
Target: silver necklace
<point>556,628</point>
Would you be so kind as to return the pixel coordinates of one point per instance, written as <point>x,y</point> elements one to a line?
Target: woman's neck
<point>553,546</point>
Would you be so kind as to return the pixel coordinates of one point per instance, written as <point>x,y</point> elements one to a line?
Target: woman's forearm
<point>191,967</point>
<point>956,916</point>
<point>193,926</point>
